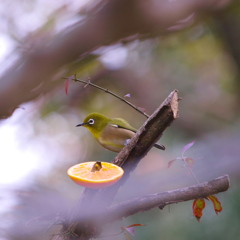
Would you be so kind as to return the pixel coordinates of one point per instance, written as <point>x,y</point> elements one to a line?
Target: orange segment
<point>105,177</point>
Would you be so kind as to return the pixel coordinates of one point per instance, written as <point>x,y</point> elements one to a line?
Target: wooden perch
<point>149,133</point>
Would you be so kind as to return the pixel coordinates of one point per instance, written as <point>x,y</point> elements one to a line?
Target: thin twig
<point>88,83</point>
<point>190,169</point>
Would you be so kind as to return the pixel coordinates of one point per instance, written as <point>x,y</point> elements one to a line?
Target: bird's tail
<point>159,146</point>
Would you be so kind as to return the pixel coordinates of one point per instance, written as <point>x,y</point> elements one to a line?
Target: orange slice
<point>84,175</point>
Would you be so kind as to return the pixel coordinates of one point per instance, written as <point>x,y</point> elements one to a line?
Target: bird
<point>112,133</point>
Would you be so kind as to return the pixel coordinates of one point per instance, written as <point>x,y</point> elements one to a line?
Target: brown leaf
<point>189,161</point>
<point>66,85</point>
<point>171,162</point>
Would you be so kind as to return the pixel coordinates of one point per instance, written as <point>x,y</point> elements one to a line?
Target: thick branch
<point>145,203</point>
<point>162,199</point>
<point>112,21</point>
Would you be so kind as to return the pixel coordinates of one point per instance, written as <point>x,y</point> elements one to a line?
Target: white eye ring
<point>91,121</point>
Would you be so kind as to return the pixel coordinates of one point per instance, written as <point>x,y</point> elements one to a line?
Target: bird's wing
<point>121,123</point>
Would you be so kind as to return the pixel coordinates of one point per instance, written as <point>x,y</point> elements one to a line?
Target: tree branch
<point>145,203</point>
<point>109,92</point>
<point>100,217</point>
<point>111,21</point>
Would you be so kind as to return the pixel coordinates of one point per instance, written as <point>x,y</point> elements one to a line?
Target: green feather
<point>121,123</point>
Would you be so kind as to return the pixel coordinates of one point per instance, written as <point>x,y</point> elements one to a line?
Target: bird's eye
<point>91,121</point>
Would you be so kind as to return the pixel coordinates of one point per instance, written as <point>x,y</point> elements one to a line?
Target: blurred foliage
<point>195,61</point>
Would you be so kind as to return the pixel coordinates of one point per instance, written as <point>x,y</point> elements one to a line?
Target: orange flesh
<point>106,176</point>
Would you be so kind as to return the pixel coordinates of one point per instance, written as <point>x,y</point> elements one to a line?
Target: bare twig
<point>190,169</point>
<point>88,83</point>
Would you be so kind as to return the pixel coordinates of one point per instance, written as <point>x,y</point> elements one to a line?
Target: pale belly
<point>115,138</point>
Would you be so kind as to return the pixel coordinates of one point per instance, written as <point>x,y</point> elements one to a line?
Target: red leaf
<point>171,162</point>
<point>189,161</point>
<point>186,147</point>
<point>136,225</point>
<point>216,204</point>
<point>198,206</point>
<point>66,85</point>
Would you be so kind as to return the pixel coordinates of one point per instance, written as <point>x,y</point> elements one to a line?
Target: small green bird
<point>111,133</point>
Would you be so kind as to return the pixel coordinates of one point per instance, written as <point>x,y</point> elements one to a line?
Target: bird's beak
<point>81,124</point>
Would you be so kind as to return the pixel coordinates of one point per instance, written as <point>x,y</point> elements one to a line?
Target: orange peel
<point>106,176</point>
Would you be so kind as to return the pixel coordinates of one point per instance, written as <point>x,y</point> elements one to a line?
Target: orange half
<point>105,177</point>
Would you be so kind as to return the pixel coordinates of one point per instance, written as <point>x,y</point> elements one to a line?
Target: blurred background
<point>39,142</point>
